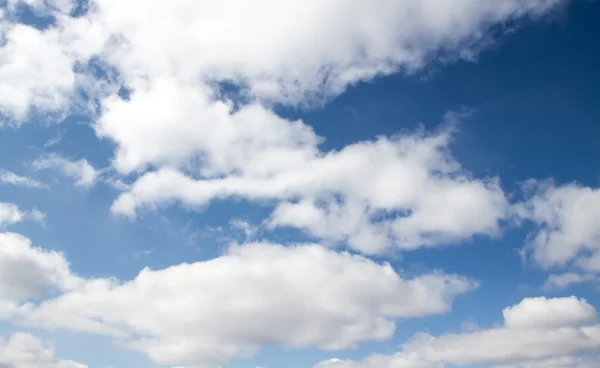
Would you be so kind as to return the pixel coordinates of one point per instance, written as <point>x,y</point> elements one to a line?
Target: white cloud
<point>209,313</point>
<point>341,194</point>
<point>563,281</point>
<point>562,362</point>
<point>300,51</point>
<point>245,227</point>
<point>399,360</point>
<point>518,340</point>
<point>24,350</point>
<point>11,214</point>
<point>567,228</point>
<point>43,7</point>
<point>28,272</point>
<point>177,115</point>
<point>81,171</point>
<point>549,313</point>
<point>292,51</point>
<point>9,177</point>
<point>537,332</point>
<point>39,69</point>
<point>34,71</point>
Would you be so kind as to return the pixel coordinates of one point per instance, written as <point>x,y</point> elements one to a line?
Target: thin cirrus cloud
<point>9,177</point>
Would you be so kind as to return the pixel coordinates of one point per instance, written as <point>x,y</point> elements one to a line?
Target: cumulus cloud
<point>536,332</point>
<point>209,313</point>
<point>179,62</point>
<point>558,328</point>
<point>24,350</point>
<point>81,171</point>
<point>568,232</point>
<point>9,177</point>
<point>301,51</point>
<point>11,214</point>
<point>34,72</point>
<point>178,114</point>
<point>341,196</point>
<point>28,272</point>
<point>549,313</point>
<point>40,69</point>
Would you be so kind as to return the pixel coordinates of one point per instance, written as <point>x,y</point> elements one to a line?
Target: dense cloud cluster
<point>186,92</point>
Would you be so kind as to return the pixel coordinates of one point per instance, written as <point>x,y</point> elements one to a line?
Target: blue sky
<point>268,163</point>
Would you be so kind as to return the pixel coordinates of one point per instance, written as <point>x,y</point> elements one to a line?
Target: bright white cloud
<point>34,71</point>
<point>9,177</point>
<point>178,116</point>
<point>209,313</point>
<point>405,191</point>
<point>567,228</point>
<point>295,52</point>
<point>518,340</point>
<point>81,171</point>
<point>549,313</point>
<point>11,214</point>
<point>530,337</point>
<point>24,350</point>
<point>343,193</point>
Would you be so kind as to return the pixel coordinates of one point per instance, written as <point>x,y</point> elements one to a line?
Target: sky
<point>299,184</point>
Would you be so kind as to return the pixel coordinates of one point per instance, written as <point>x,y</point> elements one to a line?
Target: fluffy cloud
<point>181,119</point>
<point>341,196</point>
<point>294,52</point>
<point>23,350</point>
<point>537,332</point>
<point>11,214</point>
<point>28,272</point>
<point>567,228</point>
<point>9,177</point>
<point>209,313</point>
<point>81,171</point>
<point>556,329</point>
<point>34,71</point>
<point>288,51</point>
<point>41,69</point>
<point>549,313</point>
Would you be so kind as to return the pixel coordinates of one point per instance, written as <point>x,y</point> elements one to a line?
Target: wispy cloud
<point>84,174</point>
<point>54,140</point>
<point>11,214</point>
<point>9,177</point>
